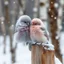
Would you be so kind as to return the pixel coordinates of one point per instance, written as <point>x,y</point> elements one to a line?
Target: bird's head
<point>37,22</point>
<point>24,21</point>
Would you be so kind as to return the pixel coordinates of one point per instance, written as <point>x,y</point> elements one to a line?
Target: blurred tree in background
<point>49,11</point>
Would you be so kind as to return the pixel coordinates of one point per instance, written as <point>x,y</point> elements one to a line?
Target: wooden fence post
<point>40,55</point>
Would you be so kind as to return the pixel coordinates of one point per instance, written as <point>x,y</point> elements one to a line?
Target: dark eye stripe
<point>42,28</point>
<point>25,22</point>
<point>36,23</point>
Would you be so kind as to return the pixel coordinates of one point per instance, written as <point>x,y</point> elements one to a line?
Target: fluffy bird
<point>22,29</point>
<point>38,32</point>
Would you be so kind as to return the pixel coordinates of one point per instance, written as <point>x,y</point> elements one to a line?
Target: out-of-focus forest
<point>51,12</point>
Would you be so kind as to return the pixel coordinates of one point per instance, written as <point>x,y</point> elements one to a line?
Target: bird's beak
<point>28,24</point>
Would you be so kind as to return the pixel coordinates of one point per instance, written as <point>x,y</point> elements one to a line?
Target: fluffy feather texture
<point>22,29</point>
<point>38,32</point>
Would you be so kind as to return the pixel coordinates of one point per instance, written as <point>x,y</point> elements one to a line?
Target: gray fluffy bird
<point>22,29</point>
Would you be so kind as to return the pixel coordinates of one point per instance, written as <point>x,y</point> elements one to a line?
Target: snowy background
<point>23,55</point>
<point>16,9</point>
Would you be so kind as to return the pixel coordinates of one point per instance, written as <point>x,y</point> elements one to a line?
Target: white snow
<point>49,46</point>
<point>62,43</point>
<point>57,61</point>
<point>23,55</point>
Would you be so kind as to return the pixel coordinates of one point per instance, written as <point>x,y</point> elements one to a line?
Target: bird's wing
<point>43,29</point>
<point>45,32</point>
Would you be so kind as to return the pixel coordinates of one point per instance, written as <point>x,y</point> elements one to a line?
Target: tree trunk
<point>52,15</point>
<point>2,24</point>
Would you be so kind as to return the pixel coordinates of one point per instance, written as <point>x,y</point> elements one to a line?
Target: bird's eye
<point>36,23</point>
<point>25,22</point>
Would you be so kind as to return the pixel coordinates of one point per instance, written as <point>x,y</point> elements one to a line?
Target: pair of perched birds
<point>32,31</point>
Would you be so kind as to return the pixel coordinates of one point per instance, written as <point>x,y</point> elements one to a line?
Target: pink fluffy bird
<point>38,32</point>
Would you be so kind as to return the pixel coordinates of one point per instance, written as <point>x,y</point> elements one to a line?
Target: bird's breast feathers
<point>37,34</point>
